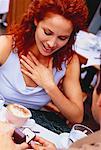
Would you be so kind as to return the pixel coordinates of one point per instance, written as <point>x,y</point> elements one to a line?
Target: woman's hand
<point>40,74</point>
<point>43,144</point>
<point>6,142</point>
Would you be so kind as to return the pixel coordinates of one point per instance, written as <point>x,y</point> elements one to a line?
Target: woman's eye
<point>63,38</point>
<point>47,32</point>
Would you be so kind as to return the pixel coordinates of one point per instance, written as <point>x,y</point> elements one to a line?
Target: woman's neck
<point>42,59</point>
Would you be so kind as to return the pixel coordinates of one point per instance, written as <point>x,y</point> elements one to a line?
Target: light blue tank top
<point>14,89</point>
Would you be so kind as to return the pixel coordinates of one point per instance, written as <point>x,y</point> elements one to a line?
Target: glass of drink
<point>2,101</point>
<point>77,132</point>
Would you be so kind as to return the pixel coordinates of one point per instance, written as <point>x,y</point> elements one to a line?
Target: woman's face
<point>52,33</point>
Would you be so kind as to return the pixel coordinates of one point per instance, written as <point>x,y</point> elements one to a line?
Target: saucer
<point>64,140</point>
<point>30,123</point>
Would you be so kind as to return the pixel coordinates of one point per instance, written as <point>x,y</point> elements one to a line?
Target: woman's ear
<point>35,22</point>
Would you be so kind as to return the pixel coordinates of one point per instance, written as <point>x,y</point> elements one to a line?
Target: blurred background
<point>11,12</point>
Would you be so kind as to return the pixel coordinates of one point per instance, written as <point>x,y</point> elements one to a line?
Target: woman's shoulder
<point>74,60</point>
<point>5,40</point>
<point>73,67</point>
<point>5,47</point>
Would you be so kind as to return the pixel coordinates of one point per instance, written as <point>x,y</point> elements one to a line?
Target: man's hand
<point>42,144</point>
<point>6,141</point>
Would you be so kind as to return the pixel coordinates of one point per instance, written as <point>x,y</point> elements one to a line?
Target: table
<point>50,120</point>
<point>43,132</point>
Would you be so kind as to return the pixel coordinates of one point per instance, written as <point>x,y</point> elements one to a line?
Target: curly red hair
<point>74,10</point>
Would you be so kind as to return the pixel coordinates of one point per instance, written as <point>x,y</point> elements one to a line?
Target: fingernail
<point>22,56</point>
<point>32,142</point>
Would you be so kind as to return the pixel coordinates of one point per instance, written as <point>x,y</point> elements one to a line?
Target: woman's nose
<point>52,43</point>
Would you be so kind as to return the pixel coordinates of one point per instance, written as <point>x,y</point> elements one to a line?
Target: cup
<point>77,132</point>
<point>17,114</point>
<point>2,102</point>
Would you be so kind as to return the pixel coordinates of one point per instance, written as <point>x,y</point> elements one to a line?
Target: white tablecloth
<point>43,132</point>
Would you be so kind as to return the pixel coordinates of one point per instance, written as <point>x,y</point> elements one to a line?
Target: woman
<point>37,54</point>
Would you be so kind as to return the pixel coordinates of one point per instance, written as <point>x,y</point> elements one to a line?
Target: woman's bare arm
<point>5,47</point>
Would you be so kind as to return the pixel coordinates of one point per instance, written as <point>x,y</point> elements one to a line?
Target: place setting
<point>26,128</point>
<point>20,117</point>
<point>77,132</point>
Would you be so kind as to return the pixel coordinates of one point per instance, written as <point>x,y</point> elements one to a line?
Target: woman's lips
<point>46,49</point>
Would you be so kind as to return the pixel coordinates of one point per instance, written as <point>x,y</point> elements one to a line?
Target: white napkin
<point>30,123</point>
<point>3,114</point>
<point>88,45</point>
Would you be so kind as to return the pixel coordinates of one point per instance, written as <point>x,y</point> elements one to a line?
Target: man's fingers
<point>6,128</point>
<point>22,146</point>
<point>10,132</point>
<point>36,146</point>
<point>40,140</point>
